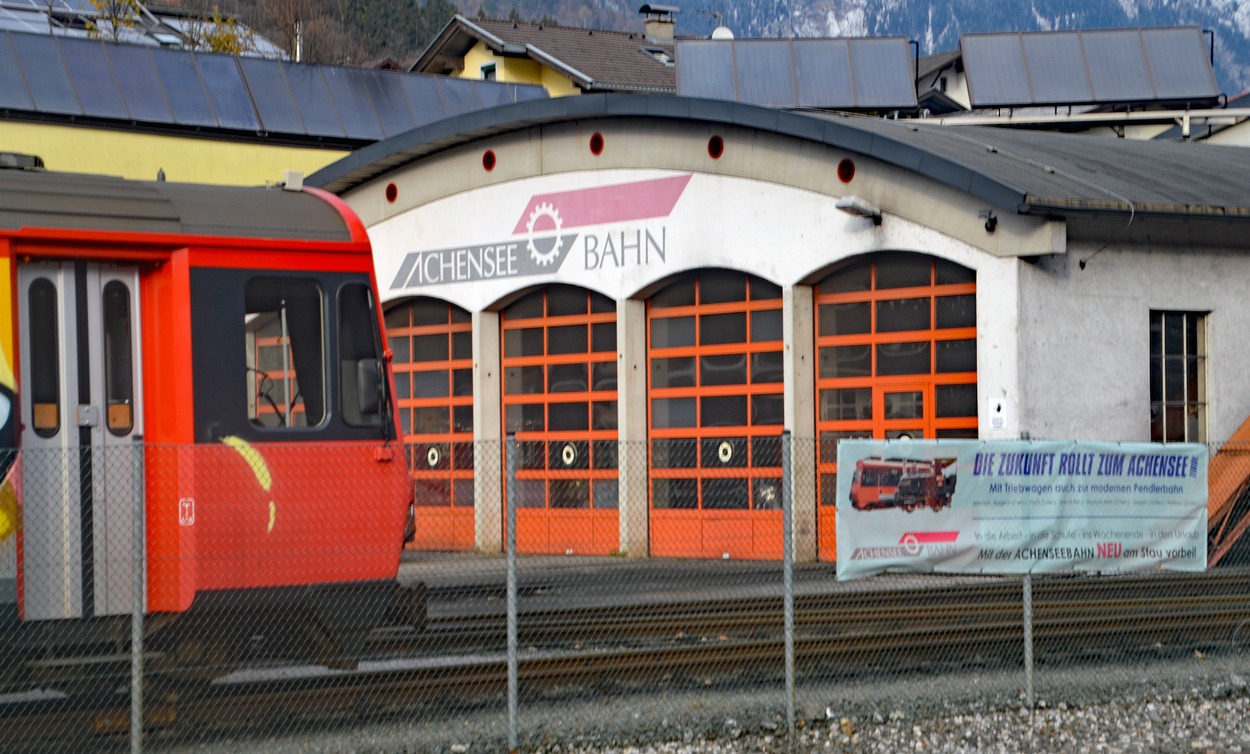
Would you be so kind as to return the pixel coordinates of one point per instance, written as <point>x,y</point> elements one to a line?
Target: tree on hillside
<point>338,31</point>
<point>218,33</point>
<point>433,17</point>
<point>387,28</point>
<point>282,22</point>
<point>113,17</point>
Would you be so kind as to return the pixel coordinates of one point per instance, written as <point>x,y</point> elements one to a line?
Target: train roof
<point>69,201</point>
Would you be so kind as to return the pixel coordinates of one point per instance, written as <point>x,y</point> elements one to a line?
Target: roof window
<point>660,54</point>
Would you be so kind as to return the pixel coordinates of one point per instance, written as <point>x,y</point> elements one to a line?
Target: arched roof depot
<point>1028,172</point>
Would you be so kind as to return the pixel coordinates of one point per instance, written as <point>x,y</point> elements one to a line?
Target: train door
<point>80,418</point>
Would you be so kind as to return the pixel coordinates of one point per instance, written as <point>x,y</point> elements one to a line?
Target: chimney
<point>659,22</point>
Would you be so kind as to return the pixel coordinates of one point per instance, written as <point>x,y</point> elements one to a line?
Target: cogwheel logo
<point>544,219</point>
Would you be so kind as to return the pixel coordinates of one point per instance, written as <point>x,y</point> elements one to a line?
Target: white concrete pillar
<point>488,437</point>
<point>631,387</point>
<point>800,414</point>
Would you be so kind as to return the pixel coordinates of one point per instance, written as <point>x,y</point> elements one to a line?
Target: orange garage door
<point>433,363</point>
<point>559,397</point>
<point>715,416</point>
<point>896,346</point>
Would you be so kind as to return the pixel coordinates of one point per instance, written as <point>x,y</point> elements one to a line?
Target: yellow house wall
<point>140,156</point>
<point>516,71</point>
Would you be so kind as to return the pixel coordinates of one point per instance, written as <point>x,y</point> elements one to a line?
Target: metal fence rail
<point>280,623</point>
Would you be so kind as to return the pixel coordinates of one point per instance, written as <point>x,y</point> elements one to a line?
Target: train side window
<point>119,386</point>
<point>285,352</point>
<point>362,377</point>
<point>45,369</point>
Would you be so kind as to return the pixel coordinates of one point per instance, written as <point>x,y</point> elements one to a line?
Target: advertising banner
<point>972,506</point>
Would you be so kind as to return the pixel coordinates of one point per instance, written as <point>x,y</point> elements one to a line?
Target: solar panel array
<point>873,73</point>
<point>1078,67</point>
<point>56,6</point>
<point>84,78</point>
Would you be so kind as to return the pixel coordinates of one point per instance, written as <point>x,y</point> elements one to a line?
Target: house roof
<point>594,59</point>
<point>930,64</point>
<point>1037,173</point>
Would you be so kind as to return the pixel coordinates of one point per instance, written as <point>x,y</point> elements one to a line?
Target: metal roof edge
<point>376,159</point>
<point>457,24</point>
<point>555,63</point>
<point>495,42</point>
<point>1060,205</point>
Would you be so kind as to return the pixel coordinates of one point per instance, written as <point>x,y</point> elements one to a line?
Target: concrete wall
<point>1085,337</point>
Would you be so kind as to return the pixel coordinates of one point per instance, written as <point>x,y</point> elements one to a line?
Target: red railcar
<point>906,484</point>
<point>213,358</point>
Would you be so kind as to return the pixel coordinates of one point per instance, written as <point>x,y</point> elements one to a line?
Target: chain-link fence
<point>610,593</point>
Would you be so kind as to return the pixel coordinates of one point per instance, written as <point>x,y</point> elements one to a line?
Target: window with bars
<point>1178,361</point>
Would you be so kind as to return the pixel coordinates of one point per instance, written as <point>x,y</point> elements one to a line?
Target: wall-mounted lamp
<point>853,205</point>
<point>991,220</point>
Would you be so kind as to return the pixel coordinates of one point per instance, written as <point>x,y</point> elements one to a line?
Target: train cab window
<point>45,377</point>
<point>285,352</point>
<point>119,385</point>
<point>362,376</point>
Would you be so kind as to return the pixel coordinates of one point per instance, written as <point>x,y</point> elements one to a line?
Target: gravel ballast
<point>1179,705</point>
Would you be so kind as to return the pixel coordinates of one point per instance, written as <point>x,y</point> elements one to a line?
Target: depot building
<point>648,290</point>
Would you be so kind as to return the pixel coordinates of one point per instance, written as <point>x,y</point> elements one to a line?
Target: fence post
<point>787,527</point>
<point>510,555</point>
<point>138,599</point>
<point>1028,640</point>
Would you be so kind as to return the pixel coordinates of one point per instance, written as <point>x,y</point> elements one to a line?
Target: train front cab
<point>235,393</point>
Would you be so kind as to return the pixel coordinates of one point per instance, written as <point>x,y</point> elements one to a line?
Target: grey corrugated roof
<point>35,199</point>
<point>1054,172</point>
<point>596,60</point>
<point>1030,172</point>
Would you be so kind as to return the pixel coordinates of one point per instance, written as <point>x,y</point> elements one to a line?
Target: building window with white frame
<point>488,72</point>
<point>1178,373</point>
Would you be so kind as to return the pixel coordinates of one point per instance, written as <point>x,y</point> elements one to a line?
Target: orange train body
<point>233,334</point>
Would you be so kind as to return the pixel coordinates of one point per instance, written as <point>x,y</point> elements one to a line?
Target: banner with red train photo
<point>1019,506</point>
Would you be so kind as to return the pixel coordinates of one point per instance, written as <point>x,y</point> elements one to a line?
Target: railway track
<point>1076,598</point>
<point>460,660</point>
